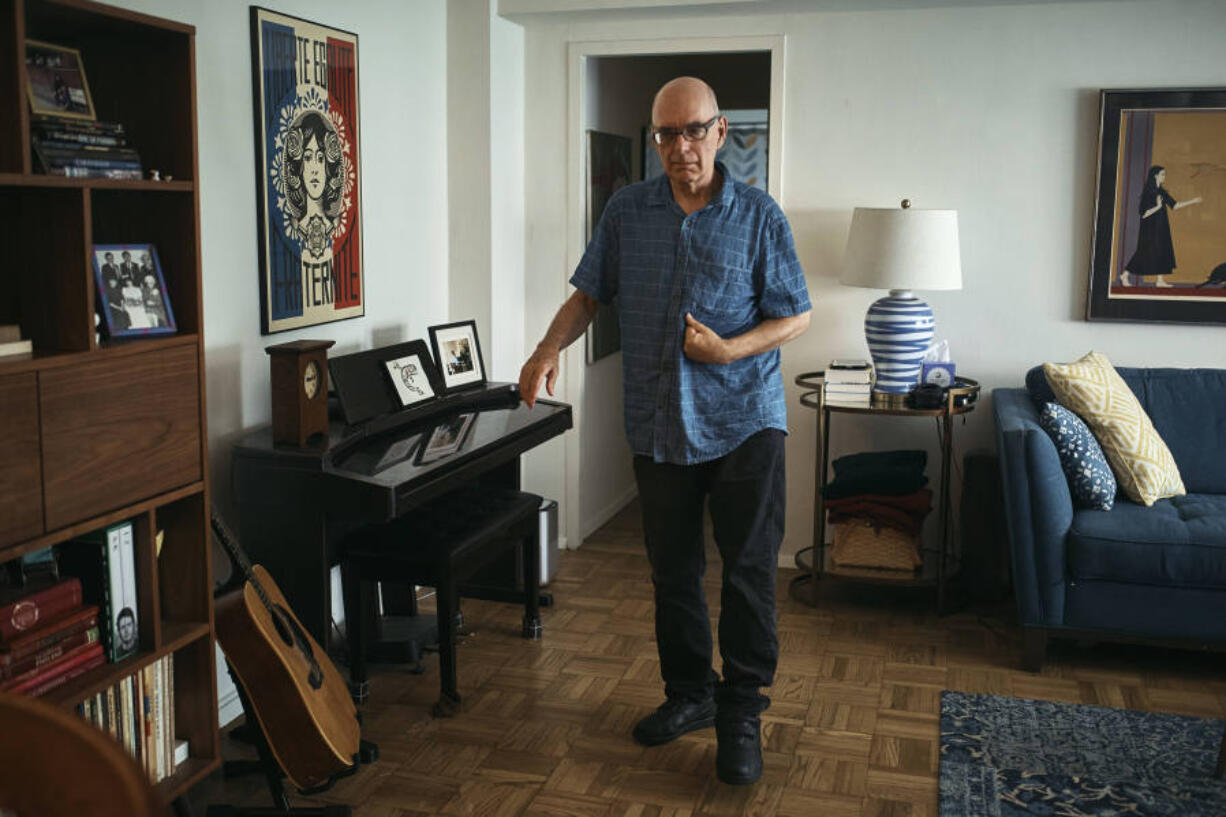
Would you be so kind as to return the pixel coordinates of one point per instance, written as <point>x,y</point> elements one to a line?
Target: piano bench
<point>438,546</point>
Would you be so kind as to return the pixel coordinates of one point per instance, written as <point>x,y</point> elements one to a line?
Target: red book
<point>20,615</point>
<point>61,671</point>
<point>29,664</point>
<point>48,634</point>
<point>93,663</point>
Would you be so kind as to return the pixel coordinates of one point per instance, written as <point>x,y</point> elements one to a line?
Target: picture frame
<point>132,295</point>
<point>445,439</point>
<point>1159,245</point>
<point>457,351</point>
<point>55,82</point>
<point>411,378</point>
<point>305,98</point>
<point>609,169</point>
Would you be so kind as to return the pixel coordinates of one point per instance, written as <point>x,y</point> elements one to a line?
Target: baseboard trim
<point>608,512</point>
<point>229,707</point>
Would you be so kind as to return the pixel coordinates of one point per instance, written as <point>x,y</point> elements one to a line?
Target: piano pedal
<point>368,751</point>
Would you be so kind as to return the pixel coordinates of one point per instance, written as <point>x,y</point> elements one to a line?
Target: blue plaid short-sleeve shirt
<point>732,265</point>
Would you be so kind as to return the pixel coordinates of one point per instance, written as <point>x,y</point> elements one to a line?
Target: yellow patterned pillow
<point>1093,390</point>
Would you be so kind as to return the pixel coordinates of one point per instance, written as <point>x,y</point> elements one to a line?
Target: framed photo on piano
<point>445,439</point>
<point>458,353</point>
<point>411,376</point>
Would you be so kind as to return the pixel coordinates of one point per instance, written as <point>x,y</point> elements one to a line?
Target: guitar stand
<point>251,732</point>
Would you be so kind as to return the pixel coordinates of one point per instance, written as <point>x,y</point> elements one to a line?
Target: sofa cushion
<point>1178,542</point>
<point>1089,476</point>
<point>1171,397</point>
<point>1095,392</point>
<point>1188,409</point>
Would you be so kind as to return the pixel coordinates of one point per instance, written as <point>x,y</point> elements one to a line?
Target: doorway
<point>612,88</point>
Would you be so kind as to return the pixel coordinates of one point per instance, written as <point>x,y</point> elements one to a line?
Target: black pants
<point>745,493</point>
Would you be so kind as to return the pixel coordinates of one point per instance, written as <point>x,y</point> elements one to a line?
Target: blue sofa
<point>1132,572</point>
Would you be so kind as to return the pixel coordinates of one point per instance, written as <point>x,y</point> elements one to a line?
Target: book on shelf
<point>58,672</point>
<point>105,563</point>
<point>138,713</point>
<point>23,608</point>
<point>848,388</point>
<point>847,374</point>
<point>14,668</point>
<point>91,149</point>
<point>47,634</point>
<point>42,121</point>
<point>16,347</point>
<point>11,342</point>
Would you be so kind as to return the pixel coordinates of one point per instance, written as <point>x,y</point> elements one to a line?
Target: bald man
<point>708,287</point>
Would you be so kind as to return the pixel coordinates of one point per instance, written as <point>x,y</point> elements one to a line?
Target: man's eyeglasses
<point>693,132</point>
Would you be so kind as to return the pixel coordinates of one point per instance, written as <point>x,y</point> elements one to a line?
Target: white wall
<point>402,75</point>
<point>992,111</point>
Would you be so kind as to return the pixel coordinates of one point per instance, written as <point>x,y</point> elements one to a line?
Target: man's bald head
<point>683,93</point>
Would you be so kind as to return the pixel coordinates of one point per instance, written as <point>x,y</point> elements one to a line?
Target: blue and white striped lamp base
<point>899,330</point>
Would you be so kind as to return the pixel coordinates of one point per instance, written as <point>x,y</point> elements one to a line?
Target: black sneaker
<point>738,761</point>
<point>673,719</point>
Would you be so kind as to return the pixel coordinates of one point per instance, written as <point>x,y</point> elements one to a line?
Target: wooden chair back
<point>54,764</point>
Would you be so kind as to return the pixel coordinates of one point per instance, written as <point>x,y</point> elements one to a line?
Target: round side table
<point>935,572</point>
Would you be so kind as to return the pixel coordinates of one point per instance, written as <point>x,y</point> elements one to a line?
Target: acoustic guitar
<point>299,698</point>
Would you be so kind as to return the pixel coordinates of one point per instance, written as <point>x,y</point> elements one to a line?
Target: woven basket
<point>860,544</point>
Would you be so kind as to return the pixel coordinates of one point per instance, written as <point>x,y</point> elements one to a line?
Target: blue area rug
<point>1008,757</point>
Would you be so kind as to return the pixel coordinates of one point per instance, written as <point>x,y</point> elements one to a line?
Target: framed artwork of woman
<point>1160,228</point>
<point>307,188</point>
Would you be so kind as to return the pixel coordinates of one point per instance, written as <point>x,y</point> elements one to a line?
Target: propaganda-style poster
<point>306,111</point>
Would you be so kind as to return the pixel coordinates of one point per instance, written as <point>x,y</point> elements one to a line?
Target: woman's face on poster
<point>1160,178</point>
<point>313,168</point>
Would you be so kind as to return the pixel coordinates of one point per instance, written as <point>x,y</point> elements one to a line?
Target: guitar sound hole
<point>283,628</point>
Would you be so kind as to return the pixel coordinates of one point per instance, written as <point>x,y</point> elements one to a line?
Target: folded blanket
<point>878,472</point>
<point>905,512</point>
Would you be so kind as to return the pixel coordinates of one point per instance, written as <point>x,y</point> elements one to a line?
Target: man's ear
<point>722,124</point>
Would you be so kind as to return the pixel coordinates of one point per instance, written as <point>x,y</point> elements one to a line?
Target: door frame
<point>578,54</point>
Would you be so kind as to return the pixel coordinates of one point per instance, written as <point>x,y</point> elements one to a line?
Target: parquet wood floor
<point>852,731</point>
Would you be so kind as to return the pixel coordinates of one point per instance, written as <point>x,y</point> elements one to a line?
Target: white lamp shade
<point>902,249</point>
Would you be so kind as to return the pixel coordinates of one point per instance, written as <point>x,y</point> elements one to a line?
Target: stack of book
<point>11,342</point>
<point>139,712</point>
<point>848,383</point>
<point>47,638</point>
<point>81,148</point>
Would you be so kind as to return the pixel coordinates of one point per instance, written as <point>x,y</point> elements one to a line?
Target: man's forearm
<point>570,322</point>
<point>770,334</point>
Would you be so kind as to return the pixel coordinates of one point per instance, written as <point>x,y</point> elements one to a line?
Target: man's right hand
<point>541,367</point>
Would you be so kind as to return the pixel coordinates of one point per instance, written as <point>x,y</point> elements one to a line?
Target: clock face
<point>939,376</point>
<point>310,380</point>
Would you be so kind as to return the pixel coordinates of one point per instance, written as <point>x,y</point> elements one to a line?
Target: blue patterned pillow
<point>1089,476</point>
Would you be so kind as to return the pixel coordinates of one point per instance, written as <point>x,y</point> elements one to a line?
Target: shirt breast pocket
<point>725,300</point>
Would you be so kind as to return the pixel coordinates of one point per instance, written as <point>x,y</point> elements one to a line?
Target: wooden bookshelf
<point>98,432</point>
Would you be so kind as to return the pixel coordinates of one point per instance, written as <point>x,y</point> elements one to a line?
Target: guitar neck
<point>239,556</point>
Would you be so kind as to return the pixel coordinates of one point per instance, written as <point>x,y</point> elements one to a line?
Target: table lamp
<point>901,250</point>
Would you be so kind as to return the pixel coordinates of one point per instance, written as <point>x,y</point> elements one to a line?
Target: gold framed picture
<point>1160,224</point>
<point>55,81</point>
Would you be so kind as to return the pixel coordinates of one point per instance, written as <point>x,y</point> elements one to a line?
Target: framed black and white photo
<point>445,439</point>
<point>411,378</point>
<point>1160,221</point>
<point>132,296</point>
<point>458,355</point>
<point>55,81</point>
